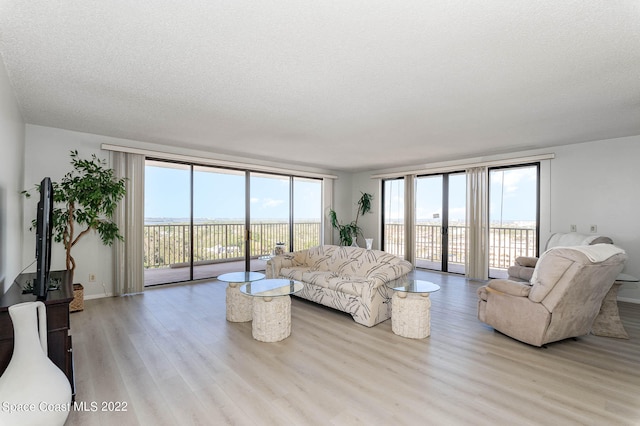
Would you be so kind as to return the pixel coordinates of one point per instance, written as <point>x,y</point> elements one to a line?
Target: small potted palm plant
<point>349,232</point>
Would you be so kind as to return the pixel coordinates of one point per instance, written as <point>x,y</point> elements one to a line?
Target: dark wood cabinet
<point>58,325</point>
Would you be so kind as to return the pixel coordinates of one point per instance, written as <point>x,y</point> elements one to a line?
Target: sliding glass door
<point>456,222</point>
<point>393,226</point>
<point>218,219</point>
<point>270,215</point>
<point>429,231</point>
<point>201,221</point>
<point>307,213</point>
<point>440,210</point>
<point>440,222</point>
<point>167,222</point>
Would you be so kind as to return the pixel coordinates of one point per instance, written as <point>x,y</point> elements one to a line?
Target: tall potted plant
<point>85,199</point>
<point>349,232</point>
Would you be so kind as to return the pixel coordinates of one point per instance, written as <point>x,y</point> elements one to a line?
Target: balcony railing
<point>169,245</point>
<point>505,243</point>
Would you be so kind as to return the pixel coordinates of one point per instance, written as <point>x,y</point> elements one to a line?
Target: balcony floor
<point>155,276</point>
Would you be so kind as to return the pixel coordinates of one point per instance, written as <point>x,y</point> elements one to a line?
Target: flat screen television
<point>44,227</point>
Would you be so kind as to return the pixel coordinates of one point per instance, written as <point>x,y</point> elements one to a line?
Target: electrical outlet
<point>92,278</point>
<point>593,228</point>
<point>574,228</point>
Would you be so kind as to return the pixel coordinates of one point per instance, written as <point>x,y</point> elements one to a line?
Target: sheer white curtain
<point>410,219</point>
<point>477,235</point>
<point>129,254</point>
<point>327,204</point>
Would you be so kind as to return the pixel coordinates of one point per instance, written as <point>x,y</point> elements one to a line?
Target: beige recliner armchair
<point>562,300</point>
<point>522,270</point>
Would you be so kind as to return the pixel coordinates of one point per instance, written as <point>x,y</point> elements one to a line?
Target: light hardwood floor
<point>174,359</point>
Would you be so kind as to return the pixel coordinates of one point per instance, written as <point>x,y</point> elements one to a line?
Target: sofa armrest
<point>276,263</point>
<point>377,282</point>
<point>389,273</point>
<point>509,287</point>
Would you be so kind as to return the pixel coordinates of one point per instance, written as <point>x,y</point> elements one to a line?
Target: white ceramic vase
<point>33,390</point>
<point>369,242</point>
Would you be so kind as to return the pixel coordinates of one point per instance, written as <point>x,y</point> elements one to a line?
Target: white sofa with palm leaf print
<point>350,279</point>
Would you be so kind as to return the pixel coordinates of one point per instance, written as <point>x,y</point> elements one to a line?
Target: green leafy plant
<point>349,232</point>
<point>85,197</point>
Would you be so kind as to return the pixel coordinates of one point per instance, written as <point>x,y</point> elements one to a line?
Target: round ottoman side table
<point>239,305</point>
<point>410,309</point>
<point>271,307</point>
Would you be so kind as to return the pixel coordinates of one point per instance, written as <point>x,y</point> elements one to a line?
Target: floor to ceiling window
<point>167,222</point>
<point>202,220</point>
<point>269,212</point>
<point>307,212</point>
<point>440,211</point>
<point>513,216</point>
<point>218,218</point>
<point>393,229</point>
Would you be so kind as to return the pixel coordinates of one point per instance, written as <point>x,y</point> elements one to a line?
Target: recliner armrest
<point>509,287</point>
<point>527,261</point>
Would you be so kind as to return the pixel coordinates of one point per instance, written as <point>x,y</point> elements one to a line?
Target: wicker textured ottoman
<point>410,316</point>
<point>271,318</point>
<point>608,322</point>
<point>271,308</point>
<point>410,309</point>
<point>239,305</point>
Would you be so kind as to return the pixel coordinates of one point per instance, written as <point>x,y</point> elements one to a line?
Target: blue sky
<point>220,194</point>
<point>512,196</point>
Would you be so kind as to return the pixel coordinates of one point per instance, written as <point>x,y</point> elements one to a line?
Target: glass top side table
<point>410,309</point>
<point>271,288</point>
<point>239,306</point>
<point>271,308</point>
<point>240,277</point>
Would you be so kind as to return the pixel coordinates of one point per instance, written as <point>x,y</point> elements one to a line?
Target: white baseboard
<point>628,299</point>
<point>100,296</point>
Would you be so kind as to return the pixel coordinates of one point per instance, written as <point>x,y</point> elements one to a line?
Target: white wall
<point>593,183</point>
<point>12,130</point>
<point>596,183</point>
<point>370,223</point>
<point>342,192</point>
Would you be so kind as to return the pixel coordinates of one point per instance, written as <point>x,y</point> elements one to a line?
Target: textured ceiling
<point>344,85</point>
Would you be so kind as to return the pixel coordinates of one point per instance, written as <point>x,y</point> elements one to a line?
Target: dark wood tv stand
<point>57,305</point>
